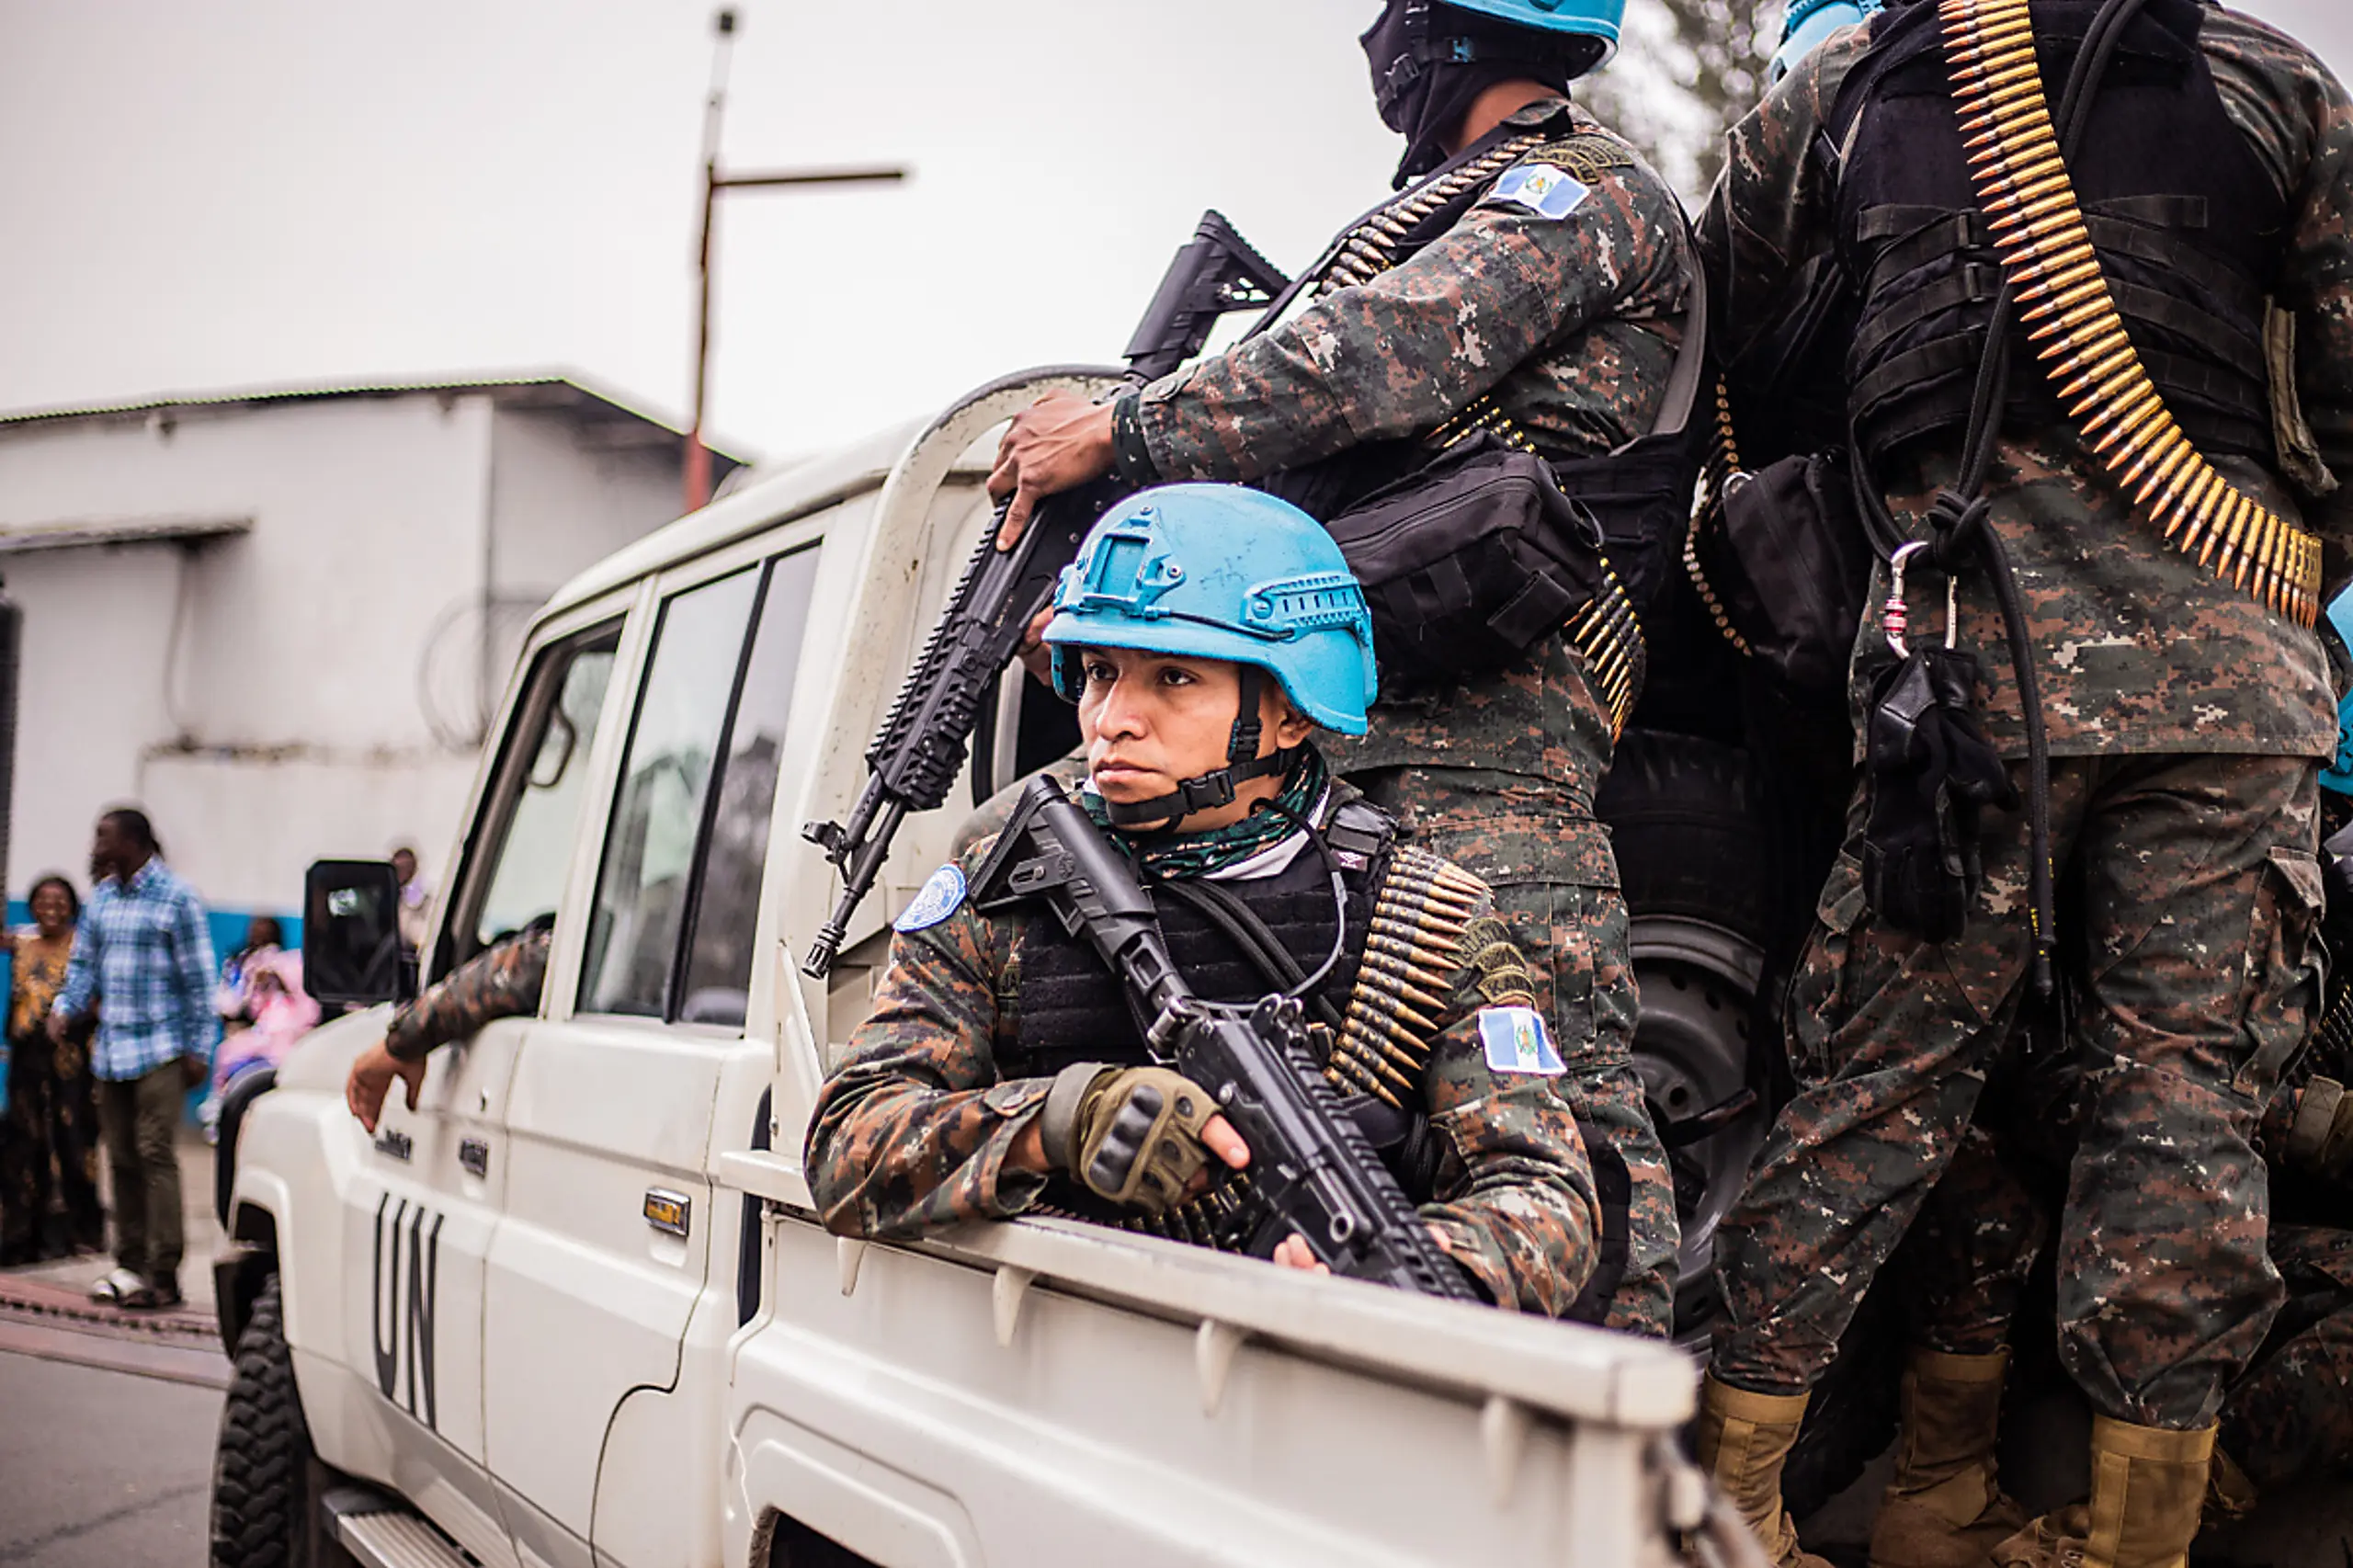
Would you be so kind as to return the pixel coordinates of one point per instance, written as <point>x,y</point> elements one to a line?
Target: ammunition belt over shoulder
<point>2028,197</point>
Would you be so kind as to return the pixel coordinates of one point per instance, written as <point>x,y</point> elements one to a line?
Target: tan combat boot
<point>2148,1486</point>
<point>1744,1439</point>
<point>1944,1509</point>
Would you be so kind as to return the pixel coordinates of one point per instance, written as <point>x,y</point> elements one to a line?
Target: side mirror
<point>351,935</point>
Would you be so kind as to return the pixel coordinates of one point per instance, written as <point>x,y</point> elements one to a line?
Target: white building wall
<point>327,681</point>
<point>559,504</point>
<point>91,696</point>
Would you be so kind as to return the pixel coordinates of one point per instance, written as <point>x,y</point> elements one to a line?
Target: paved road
<point>101,1469</point>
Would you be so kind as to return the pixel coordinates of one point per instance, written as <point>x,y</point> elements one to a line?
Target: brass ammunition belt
<point>1371,247</point>
<point>1413,951</point>
<point>1716,477</point>
<point>2028,197</point>
<point>1608,639</point>
<point>1607,634</point>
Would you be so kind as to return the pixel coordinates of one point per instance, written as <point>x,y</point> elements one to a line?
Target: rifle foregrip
<point>1403,1253</point>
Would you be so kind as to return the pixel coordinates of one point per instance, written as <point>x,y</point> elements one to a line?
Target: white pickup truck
<point>575,1308</point>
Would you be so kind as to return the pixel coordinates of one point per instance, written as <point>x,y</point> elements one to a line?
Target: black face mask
<point>1430,63</point>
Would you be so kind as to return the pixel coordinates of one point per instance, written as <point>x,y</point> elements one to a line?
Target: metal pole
<point>698,462</point>
<point>714,110</point>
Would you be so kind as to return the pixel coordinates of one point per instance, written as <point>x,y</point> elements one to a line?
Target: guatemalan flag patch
<point>1546,191</point>
<point>1517,1042</point>
<point>934,901</point>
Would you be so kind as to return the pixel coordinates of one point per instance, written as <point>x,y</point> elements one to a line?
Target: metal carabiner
<point>1895,615</point>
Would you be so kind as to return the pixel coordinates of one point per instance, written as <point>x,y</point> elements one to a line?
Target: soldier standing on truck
<point>2174,426</point>
<point>1206,633</point>
<point>2287,1419</point>
<point>1549,312</point>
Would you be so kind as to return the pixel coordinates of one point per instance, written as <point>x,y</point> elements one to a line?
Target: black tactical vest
<point>1072,1010</point>
<point>2185,218</point>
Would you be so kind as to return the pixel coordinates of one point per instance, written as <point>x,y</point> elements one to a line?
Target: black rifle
<point>1215,274</point>
<point>1310,1170</point>
<point>921,746</point>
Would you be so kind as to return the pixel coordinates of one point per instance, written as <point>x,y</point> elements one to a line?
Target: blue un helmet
<point>1580,19</point>
<point>1431,60</point>
<point>1807,23</point>
<point>1226,573</point>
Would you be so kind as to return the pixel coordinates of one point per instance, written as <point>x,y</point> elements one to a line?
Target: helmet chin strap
<point>1217,787</point>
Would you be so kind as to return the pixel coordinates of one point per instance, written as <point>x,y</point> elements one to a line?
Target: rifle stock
<point>1215,273</point>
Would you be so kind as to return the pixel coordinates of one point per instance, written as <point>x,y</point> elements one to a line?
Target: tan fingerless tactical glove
<point>1131,1134</point>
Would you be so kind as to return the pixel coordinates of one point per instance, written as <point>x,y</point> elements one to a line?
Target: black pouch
<point>1929,772</point>
<point>1788,559</point>
<point>1469,559</point>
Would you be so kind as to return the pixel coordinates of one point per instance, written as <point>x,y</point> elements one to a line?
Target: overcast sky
<point>253,192</point>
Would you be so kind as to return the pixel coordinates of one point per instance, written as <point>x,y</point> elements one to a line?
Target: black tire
<point>267,1479</point>
<point>1702,862</point>
<point>1694,862</point>
<point>795,1545</point>
<point>1688,825</point>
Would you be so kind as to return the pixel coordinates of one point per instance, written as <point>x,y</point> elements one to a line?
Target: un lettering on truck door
<point>403,1293</point>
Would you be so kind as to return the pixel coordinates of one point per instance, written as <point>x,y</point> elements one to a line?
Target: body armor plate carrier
<point>1400,900</point>
<point>2184,219</point>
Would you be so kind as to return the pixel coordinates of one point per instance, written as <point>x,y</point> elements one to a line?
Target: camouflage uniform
<point>2184,720</point>
<point>1569,326</point>
<point>503,982</point>
<point>911,1128</point>
<point>2290,1416</point>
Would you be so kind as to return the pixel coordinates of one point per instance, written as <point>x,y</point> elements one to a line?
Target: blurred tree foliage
<point>1688,70</point>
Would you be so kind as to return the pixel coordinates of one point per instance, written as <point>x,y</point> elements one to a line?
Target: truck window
<point>680,728</point>
<point>727,891</point>
<point>543,769</point>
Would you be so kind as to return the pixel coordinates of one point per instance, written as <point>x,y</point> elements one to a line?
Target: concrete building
<point>277,619</point>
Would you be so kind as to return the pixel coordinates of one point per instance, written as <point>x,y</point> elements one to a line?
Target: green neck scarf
<point>1165,856</point>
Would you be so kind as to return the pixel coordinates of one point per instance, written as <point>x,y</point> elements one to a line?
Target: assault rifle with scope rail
<point>1310,1169</point>
<point>921,745</point>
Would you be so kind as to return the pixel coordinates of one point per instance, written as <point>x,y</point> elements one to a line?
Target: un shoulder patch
<point>934,901</point>
<point>1545,190</point>
<point>1517,1042</point>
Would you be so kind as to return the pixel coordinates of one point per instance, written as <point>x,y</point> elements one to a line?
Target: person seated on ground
<point>502,981</point>
<point>1205,633</point>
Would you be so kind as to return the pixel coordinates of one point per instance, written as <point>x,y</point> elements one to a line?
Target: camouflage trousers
<point>2288,1418</point>
<point>1555,883</point>
<point>2192,892</point>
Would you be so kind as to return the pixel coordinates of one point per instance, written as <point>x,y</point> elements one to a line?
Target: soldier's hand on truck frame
<point>1057,443</point>
<point>371,1078</point>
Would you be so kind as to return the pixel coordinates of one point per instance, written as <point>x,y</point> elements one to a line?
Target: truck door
<point>425,1201</point>
<point>605,1240</point>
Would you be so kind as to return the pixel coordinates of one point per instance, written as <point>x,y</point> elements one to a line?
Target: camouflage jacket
<point>913,1126</point>
<point>503,982</point>
<point>1570,324</point>
<point>2139,649</point>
